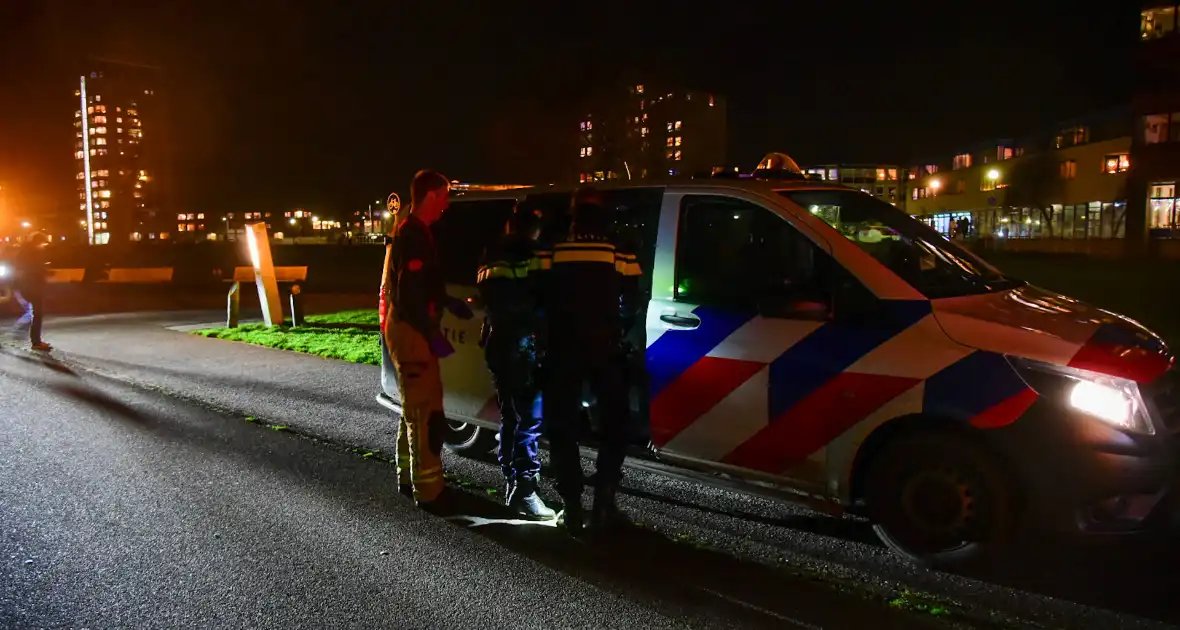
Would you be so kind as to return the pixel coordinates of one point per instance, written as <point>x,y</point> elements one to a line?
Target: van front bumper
<point>1079,475</point>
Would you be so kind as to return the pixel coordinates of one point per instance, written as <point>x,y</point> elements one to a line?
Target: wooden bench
<point>282,274</point>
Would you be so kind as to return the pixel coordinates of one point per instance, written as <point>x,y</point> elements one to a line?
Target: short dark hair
<point>426,181</point>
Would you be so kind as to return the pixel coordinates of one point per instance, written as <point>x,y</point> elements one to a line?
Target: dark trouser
<point>519,434</point>
<point>32,314</point>
<point>511,357</point>
<point>568,369</point>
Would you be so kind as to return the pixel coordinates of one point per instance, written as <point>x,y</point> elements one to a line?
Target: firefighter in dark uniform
<point>507,280</point>
<point>588,281</point>
<point>415,340</point>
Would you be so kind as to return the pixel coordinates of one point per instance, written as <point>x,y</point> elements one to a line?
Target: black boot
<point>605,514</point>
<point>524,499</point>
<point>573,516</point>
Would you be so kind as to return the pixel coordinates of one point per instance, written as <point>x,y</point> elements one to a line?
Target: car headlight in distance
<point>5,271</point>
<point>1115,401</point>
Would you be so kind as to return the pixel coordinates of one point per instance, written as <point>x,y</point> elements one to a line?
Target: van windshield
<point>927,260</point>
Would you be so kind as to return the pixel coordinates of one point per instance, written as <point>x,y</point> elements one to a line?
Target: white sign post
<point>264,274</point>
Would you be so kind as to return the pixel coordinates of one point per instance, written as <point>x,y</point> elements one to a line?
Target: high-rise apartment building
<point>646,130</point>
<point>118,150</point>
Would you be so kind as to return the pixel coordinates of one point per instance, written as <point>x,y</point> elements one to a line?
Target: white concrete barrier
<point>141,275</point>
<point>62,276</point>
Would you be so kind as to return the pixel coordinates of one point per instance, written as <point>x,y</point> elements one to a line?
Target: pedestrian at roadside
<point>30,275</point>
<point>587,294</point>
<point>415,340</point>
<point>507,281</point>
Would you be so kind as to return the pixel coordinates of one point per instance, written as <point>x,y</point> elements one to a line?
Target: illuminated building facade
<point>118,151</point>
<point>1063,190</point>
<point>883,181</point>
<point>1154,177</point>
<point>646,130</point>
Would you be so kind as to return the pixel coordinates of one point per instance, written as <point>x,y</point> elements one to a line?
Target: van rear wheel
<point>468,439</point>
<point>941,501</point>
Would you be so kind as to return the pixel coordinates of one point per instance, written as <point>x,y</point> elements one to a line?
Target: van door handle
<point>679,321</point>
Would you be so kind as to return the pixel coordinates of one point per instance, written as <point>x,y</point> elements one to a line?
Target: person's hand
<point>459,308</point>
<point>440,347</point>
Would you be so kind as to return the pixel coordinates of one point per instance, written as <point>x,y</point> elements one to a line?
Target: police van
<point>810,342</point>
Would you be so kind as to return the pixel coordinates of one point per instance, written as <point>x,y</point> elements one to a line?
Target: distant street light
<point>292,221</point>
<point>387,215</point>
<point>935,184</point>
<point>993,174</point>
<point>26,224</point>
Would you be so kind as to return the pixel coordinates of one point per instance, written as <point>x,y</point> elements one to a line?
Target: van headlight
<point>1115,401</point>
<point>5,272</point>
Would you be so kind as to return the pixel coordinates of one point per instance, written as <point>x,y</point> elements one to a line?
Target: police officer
<point>415,339</point>
<point>507,280</point>
<point>587,281</point>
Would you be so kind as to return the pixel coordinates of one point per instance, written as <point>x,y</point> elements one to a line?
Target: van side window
<point>637,217</point>
<point>465,230</point>
<point>735,254</point>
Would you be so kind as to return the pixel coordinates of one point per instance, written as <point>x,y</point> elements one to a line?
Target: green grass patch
<point>362,317</point>
<point>349,344</point>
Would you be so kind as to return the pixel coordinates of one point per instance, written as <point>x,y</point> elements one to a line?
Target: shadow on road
<point>637,560</point>
<point>41,359</point>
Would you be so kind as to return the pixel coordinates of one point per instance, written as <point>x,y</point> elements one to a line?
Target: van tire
<point>940,501</point>
<point>469,440</point>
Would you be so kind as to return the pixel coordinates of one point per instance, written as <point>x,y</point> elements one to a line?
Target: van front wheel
<point>940,501</point>
<point>469,440</point>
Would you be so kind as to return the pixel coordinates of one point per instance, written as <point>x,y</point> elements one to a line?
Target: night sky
<point>329,104</point>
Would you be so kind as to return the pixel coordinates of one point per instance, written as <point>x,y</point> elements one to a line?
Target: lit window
<point>93,152</point>
<point>677,140</point>
<point>583,125</point>
<point>892,174</point>
<point>191,216</point>
<point>589,150</point>
<point>1069,169</point>
<point>1156,23</point>
<point>102,173</point>
<point>77,114</point>
<point>180,217</point>
<point>880,174</point>
<point>105,194</point>
<point>102,109</point>
<point>78,155</point>
<point>643,132</point>
<point>101,120</point>
<point>1071,136</point>
<point>1117,163</point>
<point>179,228</point>
<point>132,112</point>
<point>100,141</point>
<point>710,100</point>
<point>582,152</point>
<point>118,130</point>
<point>963,160</point>
<point>98,97</point>
<point>668,154</point>
<point>104,204</point>
<point>200,216</point>
<point>670,140</point>
<point>81,176</point>
<point>676,156</point>
<point>90,110</point>
<point>137,193</point>
<point>639,89</point>
<point>102,151</point>
<point>677,126</point>
<point>100,130</point>
<point>669,126</point>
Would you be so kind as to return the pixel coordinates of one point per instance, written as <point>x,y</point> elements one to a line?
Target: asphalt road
<point>144,499</point>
